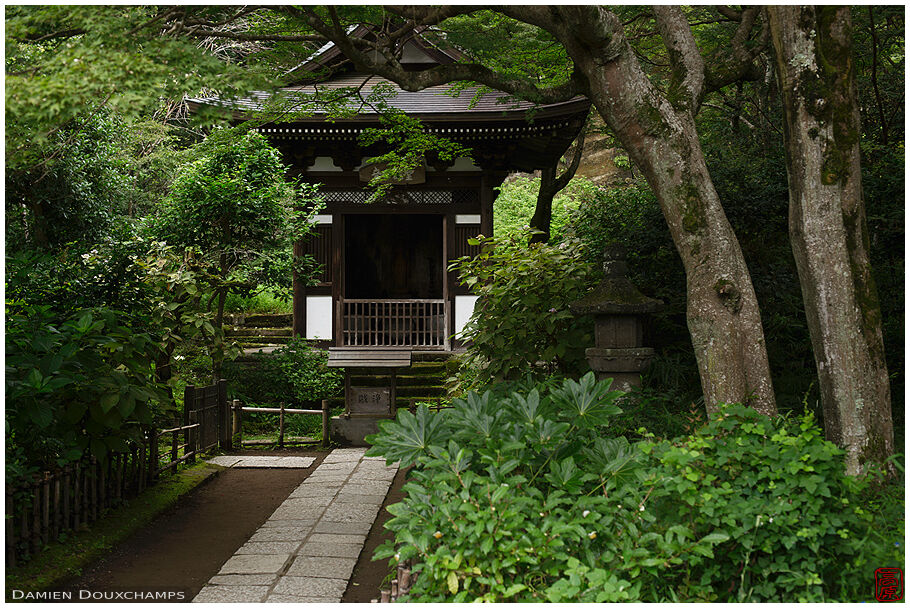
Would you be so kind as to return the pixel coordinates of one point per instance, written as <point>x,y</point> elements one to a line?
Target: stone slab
<point>310,586</point>
<point>281,534</point>
<point>274,462</point>
<point>343,539</point>
<point>336,527</point>
<point>329,476</point>
<point>345,454</point>
<point>271,547</point>
<point>254,564</point>
<point>224,461</point>
<point>361,499</point>
<point>232,593</point>
<point>372,475</point>
<point>366,487</point>
<point>277,598</point>
<point>338,466</point>
<point>296,513</point>
<point>306,502</point>
<point>350,513</point>
<point>329,549</point>
<point>289,523</point>
<point>322,567</point>
<point>243,579</point>
<point>307,490</point>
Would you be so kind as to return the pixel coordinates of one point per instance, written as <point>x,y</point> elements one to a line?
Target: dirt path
<point>185,546</point>
<point>369,575</point>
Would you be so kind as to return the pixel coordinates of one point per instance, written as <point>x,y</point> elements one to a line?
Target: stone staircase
<point>424,381</point>
<point>255,332</point>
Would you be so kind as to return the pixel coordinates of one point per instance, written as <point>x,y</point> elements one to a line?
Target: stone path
<point>263,462</point>
<point>307,549</point>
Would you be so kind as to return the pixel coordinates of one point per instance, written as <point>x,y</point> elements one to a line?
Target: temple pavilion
<point>384,281</point>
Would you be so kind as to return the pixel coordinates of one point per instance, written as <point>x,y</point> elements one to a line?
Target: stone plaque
<point>370,400</point>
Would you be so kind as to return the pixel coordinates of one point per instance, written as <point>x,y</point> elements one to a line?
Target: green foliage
<point>410,145</point>
<point>517,199</point>
<point>62,59</point>
<point>526,497</point>
<point>266,301</point>
<point>522,322</point>
<point>84,384</point>
<point>293,374</point>
<point>235,205</point>
<point>76,192</point>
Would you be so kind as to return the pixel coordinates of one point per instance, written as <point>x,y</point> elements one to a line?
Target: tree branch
<point>688,66</point>
<point>389,67</point>
<point>736,61</point>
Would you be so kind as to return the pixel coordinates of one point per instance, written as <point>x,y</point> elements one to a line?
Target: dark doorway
<point>393,256</point>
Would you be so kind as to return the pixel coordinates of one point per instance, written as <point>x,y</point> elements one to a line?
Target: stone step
<point>252,341</point>
<point>259,320</point>
<point>230,330</point>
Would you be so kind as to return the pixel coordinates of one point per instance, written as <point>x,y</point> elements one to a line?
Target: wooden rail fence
<point>78,494</point>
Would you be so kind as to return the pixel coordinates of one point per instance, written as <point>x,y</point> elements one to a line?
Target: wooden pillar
<point>487,196</point>
<point>451,278</point>
<point>224,416</point>
<point>338,237</point>
<point>299,298</point>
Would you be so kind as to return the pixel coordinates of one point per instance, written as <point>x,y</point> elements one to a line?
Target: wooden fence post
<point>189,404</point>
<point>10,530</point>
<point>325,423</point>
<point>238,419</point>
<point>224,416</point>
<point>281,425</point>
<point>153,455</point>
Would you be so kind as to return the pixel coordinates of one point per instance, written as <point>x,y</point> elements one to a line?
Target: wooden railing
<point>413,323</point>
<point>52,502</point>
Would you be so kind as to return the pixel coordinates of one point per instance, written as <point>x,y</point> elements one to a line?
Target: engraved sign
<point>370,400</point>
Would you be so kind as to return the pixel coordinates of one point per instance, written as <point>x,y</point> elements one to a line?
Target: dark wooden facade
<point>385,282</point>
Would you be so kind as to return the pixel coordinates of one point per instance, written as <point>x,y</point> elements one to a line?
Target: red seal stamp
<point>889,584</point>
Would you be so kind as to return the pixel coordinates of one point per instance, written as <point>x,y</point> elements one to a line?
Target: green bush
<point>266,301</point>
<point>521,322</point>
<point>517,200</point>
<point>81,384</point>
<point>295,374</point>
<point>525,497</point>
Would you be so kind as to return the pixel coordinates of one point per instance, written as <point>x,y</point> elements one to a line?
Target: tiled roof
<point>438,100</point>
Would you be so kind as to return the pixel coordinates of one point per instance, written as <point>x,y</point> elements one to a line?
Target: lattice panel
<point>320,247</point>
<point>408,197</point>
<point>462,234</point>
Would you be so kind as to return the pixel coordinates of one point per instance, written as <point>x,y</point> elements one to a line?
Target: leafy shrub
<point>521,322</point>
<point>517,200</point>
<point>265,301</point>
<point>83,384</point>
<point>525,497</point>
<point>293,374</point>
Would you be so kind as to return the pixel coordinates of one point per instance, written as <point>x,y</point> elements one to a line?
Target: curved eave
<point>576,106</point>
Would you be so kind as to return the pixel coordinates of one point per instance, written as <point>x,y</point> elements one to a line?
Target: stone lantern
<point>618,308</point>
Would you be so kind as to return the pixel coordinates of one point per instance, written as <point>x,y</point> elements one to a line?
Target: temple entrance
<point>394,276</point>
<point>396,256</point>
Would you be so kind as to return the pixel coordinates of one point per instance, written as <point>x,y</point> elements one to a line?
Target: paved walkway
<point>307,549</point>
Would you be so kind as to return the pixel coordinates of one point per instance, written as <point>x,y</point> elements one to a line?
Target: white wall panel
<point>319,317</point>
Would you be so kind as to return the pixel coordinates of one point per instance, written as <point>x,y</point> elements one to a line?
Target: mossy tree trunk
<point>828,231</point>
<point>659,133</point>
<point>550,185</point>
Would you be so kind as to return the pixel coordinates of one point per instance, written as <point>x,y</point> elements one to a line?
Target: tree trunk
<point>828,230</point>
<point>543,211</point>
<point>722,311</point>
<point>218,341</point>
<point>550,186</point>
